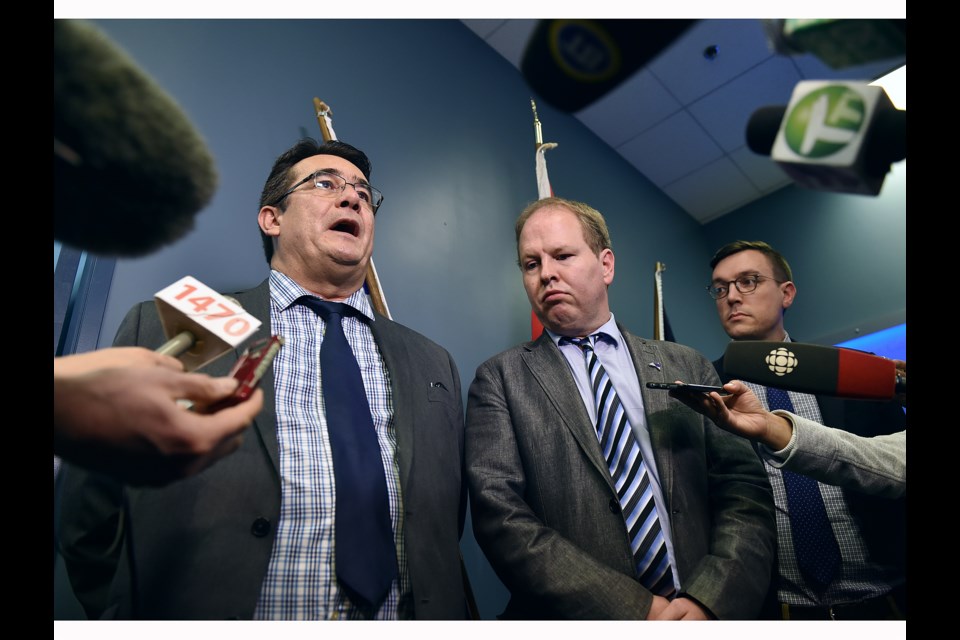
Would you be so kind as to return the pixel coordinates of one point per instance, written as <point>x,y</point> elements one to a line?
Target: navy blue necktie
<point>814,543</point>
<point>630,477</point>
<point>366,557</point>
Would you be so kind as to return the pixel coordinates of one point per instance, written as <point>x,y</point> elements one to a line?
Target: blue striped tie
<point>630,477</point>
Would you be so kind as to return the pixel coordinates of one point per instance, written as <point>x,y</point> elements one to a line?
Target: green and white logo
<point>824,121</point>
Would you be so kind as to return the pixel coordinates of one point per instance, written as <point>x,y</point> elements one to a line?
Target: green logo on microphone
<point>824,121</point>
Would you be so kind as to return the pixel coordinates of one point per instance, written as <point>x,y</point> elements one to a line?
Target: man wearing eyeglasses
<point>257,536</point>
<point>859,552</point>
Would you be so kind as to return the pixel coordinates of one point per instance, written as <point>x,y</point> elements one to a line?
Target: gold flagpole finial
<point>537,131</point>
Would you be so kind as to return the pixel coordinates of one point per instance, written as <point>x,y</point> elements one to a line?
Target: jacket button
<point>260,527</point>
<point>614,505</point>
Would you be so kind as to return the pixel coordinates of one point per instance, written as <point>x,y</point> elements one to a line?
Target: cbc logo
<point>781,361</point>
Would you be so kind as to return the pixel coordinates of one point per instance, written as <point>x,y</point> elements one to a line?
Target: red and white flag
<point>544,190</point>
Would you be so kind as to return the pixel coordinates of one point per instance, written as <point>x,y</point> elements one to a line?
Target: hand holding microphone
<point>117,411</point>
<point>130,174</point>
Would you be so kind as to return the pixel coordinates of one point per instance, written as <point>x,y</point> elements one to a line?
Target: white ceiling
<point>681,119</point>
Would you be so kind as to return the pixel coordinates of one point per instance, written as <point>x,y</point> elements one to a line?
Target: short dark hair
<point>595,231</point>
<point>781,268</point>
<point>280,179</point>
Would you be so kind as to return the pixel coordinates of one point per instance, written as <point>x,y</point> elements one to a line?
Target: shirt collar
<point>607,332</point>
<point>285,292</point>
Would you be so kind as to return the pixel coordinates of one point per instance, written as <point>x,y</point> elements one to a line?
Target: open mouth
<point>347,226</point>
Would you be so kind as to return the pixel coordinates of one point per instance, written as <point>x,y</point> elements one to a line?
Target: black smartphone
<point>704,388</point>
<point>249,370</point>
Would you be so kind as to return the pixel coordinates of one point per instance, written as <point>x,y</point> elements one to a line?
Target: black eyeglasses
<point>744,284</point>
<point>331,184</point>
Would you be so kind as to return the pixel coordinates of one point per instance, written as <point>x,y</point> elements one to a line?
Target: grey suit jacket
<point>201,546</point>
<point>545,511</point>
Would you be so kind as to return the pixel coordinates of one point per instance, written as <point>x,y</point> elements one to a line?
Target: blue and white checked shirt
<point>301,580</point>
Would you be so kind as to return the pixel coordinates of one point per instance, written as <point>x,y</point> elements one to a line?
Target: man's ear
<point>789,293</point>
<point>269,220</point>
<point>607,265</point>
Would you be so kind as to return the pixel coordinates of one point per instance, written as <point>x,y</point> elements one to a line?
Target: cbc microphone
<point>833,136</point>
<point>200,324</point>
<point>814,369</point>
<point>130,169</point>
<point>571,63</point>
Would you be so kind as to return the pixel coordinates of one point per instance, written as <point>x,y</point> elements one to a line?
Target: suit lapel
<point>398,361</point>
<point>551,371</point>
<point>256,302</point>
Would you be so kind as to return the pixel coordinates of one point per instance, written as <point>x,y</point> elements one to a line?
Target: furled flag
<point>661,325</point>
<point>544,190</point>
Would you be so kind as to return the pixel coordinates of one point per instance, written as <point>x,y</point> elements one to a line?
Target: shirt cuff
<point>778,458</point>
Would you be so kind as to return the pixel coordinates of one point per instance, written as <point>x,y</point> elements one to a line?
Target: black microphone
<point>572,63</point>
<point>833,136</point>
<point>130,169</point>
<point>839,43</point>
<point>815,369</point>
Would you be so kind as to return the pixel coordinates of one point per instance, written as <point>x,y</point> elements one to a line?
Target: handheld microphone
<point>838,43</point>
<point>130,170</point>
<point>572,63</point>
<point>833,136</point>
<point>815,369</point>
<point>201,325</point>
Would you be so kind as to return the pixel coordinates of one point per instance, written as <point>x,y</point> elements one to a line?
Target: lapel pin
<point>656,365</point>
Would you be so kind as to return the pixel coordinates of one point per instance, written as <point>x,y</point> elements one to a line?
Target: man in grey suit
<point>551,508</point>
<point>254,535</point>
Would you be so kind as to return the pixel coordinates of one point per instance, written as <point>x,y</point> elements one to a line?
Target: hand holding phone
<point>249,370</point>
<point>691,388</point>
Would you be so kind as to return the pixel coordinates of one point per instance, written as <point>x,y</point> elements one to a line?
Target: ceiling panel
<point>729,190</point>
<point>762,172</point>
<point>725,112</point>
<point>671,150</point>
<point>630,109</point>
<point>689,75</point>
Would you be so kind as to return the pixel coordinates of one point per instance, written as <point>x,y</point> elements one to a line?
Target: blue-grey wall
<point>451,139</point>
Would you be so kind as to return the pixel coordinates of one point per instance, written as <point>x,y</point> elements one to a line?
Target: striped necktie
<point>630,477</point>
<point>814,544</point>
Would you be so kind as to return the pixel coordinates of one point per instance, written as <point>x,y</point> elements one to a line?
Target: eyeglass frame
<point>759,277</point>
<point>374,192</point>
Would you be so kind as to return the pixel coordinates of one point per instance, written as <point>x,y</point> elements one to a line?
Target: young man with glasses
<point>263,534</point>
<point>860,551</point>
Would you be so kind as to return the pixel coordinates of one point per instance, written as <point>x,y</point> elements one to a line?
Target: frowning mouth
<point>551,296</point>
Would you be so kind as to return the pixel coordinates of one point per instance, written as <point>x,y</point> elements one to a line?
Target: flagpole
<point>377,299</point>
<point>658,328</point>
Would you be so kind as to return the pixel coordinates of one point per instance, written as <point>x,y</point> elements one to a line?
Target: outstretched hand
<point>118,411</point>
<point>740,413</point>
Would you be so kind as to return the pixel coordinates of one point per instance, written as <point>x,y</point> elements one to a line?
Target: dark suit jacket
<point>883,521</point>
<point>201,546</point>
<point>545,511</point>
